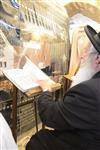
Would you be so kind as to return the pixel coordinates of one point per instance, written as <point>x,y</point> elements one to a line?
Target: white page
<point>22,81</point>
<point>35,72</point>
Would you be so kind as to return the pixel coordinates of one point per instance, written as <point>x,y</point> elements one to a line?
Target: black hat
<point>93,36</point>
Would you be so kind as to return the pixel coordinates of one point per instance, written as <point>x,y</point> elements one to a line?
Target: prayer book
<point>27,77</point>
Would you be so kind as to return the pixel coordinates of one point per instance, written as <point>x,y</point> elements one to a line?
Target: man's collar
<point>97,75</point>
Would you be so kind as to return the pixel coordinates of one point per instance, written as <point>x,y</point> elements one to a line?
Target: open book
<point>26,78</point>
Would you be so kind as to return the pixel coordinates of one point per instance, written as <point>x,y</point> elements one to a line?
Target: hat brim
<point>90,32</point>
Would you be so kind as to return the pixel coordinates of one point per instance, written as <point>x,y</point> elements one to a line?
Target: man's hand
<point>46,85</point>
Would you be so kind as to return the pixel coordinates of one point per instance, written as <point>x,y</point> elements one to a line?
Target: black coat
<point>75,118</point>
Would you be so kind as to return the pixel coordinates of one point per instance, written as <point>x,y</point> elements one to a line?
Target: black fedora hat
<point>93,36</point>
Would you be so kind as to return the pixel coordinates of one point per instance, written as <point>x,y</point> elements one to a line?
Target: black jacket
<point>76,115</point>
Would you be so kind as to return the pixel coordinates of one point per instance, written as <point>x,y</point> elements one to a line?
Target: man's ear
<point>97,60</point>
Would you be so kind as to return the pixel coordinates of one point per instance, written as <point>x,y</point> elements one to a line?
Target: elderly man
<point>76,118</point>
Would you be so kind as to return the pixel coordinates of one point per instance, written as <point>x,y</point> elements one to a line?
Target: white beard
<point>86,70</point>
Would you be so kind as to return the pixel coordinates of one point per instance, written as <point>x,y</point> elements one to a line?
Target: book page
<point>20,79</point>
<point>35,72</point>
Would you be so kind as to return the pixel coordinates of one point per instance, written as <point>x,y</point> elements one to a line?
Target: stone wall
<point>87,8</point>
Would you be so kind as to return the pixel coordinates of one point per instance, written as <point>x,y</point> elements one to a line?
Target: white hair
<point>86,69</point>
